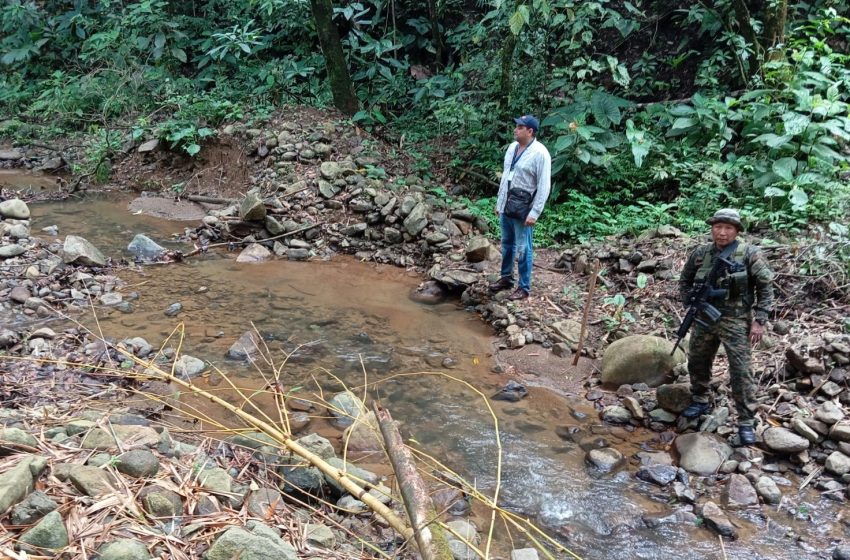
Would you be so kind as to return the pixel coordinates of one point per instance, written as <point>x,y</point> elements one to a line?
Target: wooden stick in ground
<point>430,537</point>
<point>209,199</point>
<point>591,286</point>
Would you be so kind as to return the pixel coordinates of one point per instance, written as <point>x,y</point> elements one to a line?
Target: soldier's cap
<point>529,121</point>
<point>727,216</point>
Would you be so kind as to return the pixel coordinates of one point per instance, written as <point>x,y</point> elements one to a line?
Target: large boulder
<point>701,453</point>
<point>145,248</point>
<point>639,359</point>
<point>15,209</point>
<point>77,250</point>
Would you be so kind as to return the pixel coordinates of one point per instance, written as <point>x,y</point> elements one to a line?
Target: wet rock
<point>123,549</point>
<point>50,534</point>
<point>352,505</point>
<point>252,209</point>
<point>346,407</point>
<point>715,419</point>
<point>634,407</point>
<point>837,463</point>
<point>236,542</point>
<point>429,292</point>
<point>254,253</point>
<point>616,414</point>
<point>716,520</point>
<point>604,460</point>
<point>294,254</point>
<point>77,250</point>
<point>739,493</point>
<point>702,453</point>
<point>32,508</point>
<point>247,348</point>
<point>841,552</point>
<point>15,209</point>
<point>768,490</point>
<point>189,366</point>
<point>661,415</point>
<point>145,248</point>
<point>469,532</point>
<point>661,475</point>
<point>829,413</point>
<point>173,310</point>
<point>639,359</point>
<point>138,463</point>
<point>511,392</point>
<point>683,493</point>
<point>783,440</point>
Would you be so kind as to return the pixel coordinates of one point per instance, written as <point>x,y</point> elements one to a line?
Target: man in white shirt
<point>526,181</point>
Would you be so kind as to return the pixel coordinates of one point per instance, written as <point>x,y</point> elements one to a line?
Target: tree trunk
<point>774,28</point>
<point>507,59</point>
<point>436,36</point>
<point>340,80</point>
<point>745,28</point>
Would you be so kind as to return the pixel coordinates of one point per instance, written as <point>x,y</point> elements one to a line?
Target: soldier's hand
<point>756,332</point>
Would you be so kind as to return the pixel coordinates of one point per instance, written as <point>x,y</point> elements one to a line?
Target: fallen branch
<point>281,236</point>
<point>209,199</point>
<point>430,538</point>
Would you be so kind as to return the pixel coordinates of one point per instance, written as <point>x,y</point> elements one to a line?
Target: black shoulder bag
<point>519,202</point>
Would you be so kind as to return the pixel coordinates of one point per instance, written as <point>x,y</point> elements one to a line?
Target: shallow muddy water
<point>357,322</point>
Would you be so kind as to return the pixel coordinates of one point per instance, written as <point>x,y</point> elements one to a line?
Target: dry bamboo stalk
<point>587,305</point>
<point>430,537</point>
<point>338,475</point>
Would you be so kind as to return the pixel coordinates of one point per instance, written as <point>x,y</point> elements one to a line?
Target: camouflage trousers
<point>734,334</point>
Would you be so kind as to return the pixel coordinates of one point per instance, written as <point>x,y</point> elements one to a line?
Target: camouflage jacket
<point>750,292</point>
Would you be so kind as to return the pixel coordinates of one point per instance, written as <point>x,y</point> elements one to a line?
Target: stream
<point>356,322</point>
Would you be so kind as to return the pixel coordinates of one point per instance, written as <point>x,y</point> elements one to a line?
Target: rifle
<point>700,294</point>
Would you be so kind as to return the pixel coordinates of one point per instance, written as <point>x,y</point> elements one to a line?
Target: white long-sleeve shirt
<point>533,171</point>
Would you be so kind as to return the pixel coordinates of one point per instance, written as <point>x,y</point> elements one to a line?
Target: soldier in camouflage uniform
<point>744,311</point>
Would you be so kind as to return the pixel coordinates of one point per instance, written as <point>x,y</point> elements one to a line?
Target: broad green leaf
<point>765,179</point>
<point>179,54</point>
<point>159,40</point>
<point>519,19</point>
<point>684,122</point>
<point>838,229</point>
<point>681,110</point>
<point>798,197</point>
<point>583,155</point>
<point>605,109</point>
<point>785,168</point>
<point>795,123</point>
<point>193,149</point>
<point>641,281</point>
<point>774,192</point>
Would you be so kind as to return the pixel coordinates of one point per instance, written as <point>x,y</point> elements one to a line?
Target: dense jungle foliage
<point>654,112</point>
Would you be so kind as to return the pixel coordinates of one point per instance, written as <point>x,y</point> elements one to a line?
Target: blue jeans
<point>516,242</point>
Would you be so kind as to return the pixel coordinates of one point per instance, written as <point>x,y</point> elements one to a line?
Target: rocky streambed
<point>609,467</point>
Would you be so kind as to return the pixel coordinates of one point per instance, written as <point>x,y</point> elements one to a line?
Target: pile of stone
<point>322,191</point>
<point>806,435</point>
<point>149,472</point>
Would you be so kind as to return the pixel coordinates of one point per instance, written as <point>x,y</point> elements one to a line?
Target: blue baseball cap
<point>528,120</point>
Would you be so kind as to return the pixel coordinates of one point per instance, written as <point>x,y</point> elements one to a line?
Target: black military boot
<point>746,435</point>
<point>696,409</point>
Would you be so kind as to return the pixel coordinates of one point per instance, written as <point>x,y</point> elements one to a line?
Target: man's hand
<point>529,221</point>
<point>756,332</point>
